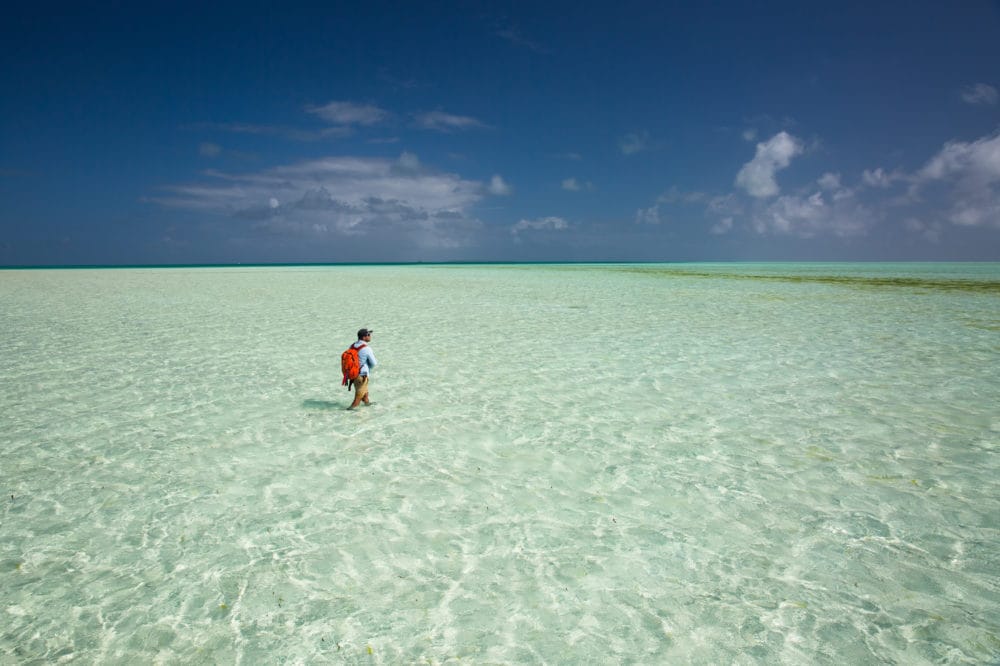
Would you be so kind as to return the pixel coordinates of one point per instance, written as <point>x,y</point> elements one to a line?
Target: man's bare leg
<point>360,394</point>
<point>357,396</point>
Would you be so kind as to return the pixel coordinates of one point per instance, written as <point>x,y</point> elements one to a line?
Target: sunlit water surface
<point>565,464</point>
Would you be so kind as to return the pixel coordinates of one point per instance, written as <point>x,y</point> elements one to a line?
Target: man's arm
<point>370,358</point>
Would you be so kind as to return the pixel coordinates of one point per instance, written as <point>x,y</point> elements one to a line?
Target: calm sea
<point>693,463</point>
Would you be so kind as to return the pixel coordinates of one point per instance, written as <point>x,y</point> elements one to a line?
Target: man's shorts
<point>360,385</point>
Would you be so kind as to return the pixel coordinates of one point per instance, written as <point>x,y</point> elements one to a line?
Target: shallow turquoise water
<point>566,464</point>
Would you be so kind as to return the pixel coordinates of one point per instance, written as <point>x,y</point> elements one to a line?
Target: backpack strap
<point>346,382</point>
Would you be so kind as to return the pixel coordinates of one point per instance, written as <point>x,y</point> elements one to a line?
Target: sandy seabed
<point>566,464</point>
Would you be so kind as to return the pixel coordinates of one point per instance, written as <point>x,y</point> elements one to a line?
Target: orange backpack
<point>350,364</point>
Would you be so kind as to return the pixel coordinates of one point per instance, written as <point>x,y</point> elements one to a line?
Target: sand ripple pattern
<point>565,464</point>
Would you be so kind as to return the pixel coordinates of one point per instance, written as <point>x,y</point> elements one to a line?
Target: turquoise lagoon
<point>634,463</point>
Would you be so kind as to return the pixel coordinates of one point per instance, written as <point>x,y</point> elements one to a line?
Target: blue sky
<point>496,131</point>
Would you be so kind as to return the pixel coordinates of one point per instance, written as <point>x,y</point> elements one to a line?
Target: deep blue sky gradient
<point>259,132</point>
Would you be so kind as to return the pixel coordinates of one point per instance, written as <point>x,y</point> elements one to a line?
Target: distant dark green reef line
<point>983,286</point>
<point>916,283</point>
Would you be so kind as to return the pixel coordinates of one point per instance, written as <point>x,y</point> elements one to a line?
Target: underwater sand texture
<point>758,463</point>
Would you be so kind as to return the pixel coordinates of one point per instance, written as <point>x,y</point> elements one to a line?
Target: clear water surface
<point>756,463</point>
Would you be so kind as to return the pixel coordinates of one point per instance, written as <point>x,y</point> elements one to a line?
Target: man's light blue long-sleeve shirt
<point>366,357</point>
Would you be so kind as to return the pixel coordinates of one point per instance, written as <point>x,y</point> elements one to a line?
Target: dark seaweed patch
<point>872,282</point>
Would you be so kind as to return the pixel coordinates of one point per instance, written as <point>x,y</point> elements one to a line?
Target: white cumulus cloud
<point>812,215</point>
<point>409,161</point>
<point>972,169</point>
<point>349,113</point>
<point>498,186</point>
<point>959,185</point>
<point>575,185</point>
<point>757,175</point>
<point>981,94</point>
<point>833,209</point>
<point>540,224</point>
<point>340,196</point>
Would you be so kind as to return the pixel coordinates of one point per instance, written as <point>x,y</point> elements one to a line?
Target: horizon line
<point>287,264</point>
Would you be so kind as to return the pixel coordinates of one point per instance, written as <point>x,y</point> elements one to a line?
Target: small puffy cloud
<point>440,121</point>
<point>749,135</point>
<point>498,186</point>
<point>980,94</point>
<point>540,224</point>
<point>409,161</point>
<point>831,184</point>
<point>574,185</point>
<point>973,171</point>
<point>794,213</point>
<point>757,175</point>
<point>634,143</point>
<point>978,162</point>
<point>349,113</point>
<point>648,215</point>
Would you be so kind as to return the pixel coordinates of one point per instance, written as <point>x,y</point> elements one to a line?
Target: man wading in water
<point>366,361</point>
